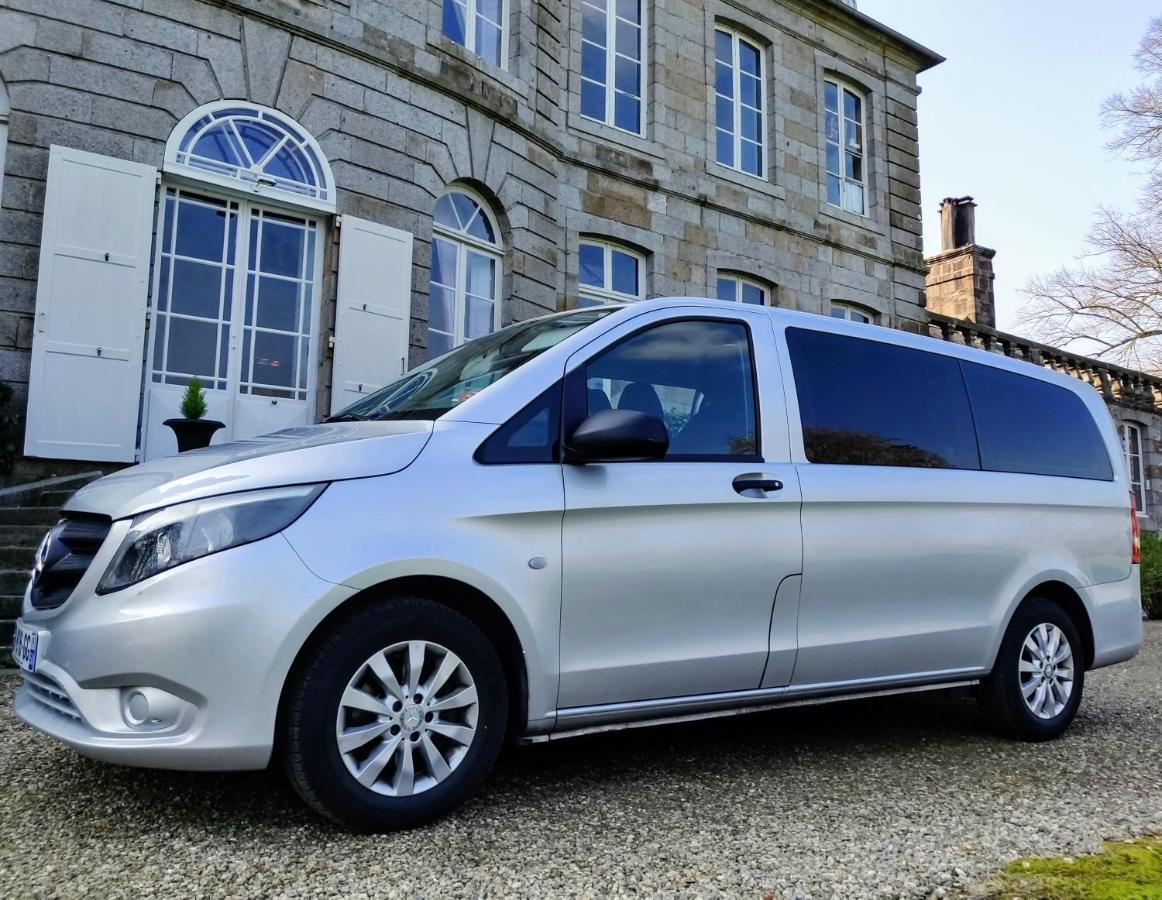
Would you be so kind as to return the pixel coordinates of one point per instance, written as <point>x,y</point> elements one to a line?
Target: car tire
<point>1036,683</point>
<point>342,695</point>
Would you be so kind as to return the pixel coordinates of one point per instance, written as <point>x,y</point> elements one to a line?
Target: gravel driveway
<point>906,796</point>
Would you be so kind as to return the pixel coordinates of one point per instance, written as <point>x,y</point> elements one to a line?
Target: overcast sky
<point>1012,119</point>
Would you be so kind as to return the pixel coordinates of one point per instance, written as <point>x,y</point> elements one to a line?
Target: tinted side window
<point>1030,426</point>
<point>694,375</point>
<point>868,403</point>
<point>531,436</point>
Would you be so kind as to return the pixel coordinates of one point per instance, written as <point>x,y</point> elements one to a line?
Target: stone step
<point>22,535</point>
<point>10,605</point>
<point>13,581</point>
<point>54,499</point>
<point>43,516</point>
<point>15,557</point>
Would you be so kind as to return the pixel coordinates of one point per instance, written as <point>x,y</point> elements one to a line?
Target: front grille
<point>47,692</point>
<point>64,557</point>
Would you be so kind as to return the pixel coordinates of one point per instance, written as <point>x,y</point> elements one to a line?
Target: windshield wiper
<point>348,417</point>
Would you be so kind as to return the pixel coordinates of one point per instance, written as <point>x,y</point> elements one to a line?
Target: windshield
<point>443,384</point>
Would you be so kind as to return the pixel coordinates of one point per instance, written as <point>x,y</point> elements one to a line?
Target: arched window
<point>253,148</point>
<point>845,146</point>
<point>1131,435</point>
<point>3,132</point>
<point>852,313</point>
<point>608,273</point>
<point>736,288</point>
<point>464,292</point>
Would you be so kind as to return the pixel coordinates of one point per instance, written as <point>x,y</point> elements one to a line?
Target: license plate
<point>24,646</point>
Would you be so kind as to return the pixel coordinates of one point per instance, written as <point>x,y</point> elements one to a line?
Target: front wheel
<point>1035,687</point>
<point>397,718</point>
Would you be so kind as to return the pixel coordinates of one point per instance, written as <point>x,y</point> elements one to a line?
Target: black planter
<point>193,434</point>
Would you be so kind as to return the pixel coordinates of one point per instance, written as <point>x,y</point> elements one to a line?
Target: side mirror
<point>617,435</point>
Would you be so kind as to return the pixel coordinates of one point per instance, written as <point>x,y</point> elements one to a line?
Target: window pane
<point>592,62</point>
<point>724,79</point>
<point>630,10</point>
<point>278,304</point>
<point>832,128</point>
<point>833,159</point>
<point>274,358</point>
<point>490,9</point>
<point>443,263</point>
<point>454,15</point>
<point>751,123</point>
<point>593,24</point>
<point>749,91</point>
<point>854,194</point>
<point>593,100</point>
<point>727,289</point>
<point>479,318</point>
<point>869,403</point>
<point>852,107</point>
<point>854,167</point>
<point>625,273</point>
<point>752,158</point>
<point>197,289</point>
<point>282,250</point>
<point>830,96</point>
<point>752,293</point>
<point>200,231</point>
<point>627,75</point>
<point>723,48</point>
<point>441,308</point>
<point>591,265</point>
<point>438,344</point>
<point>695,377</point>
<point>487,41</point>
<point>834,191</point>
<point>480,280</point>
<point>192,347</point>
<point>628,40</point>
<point>257,138</point>
<point>1027,425</point>
<point>724,151</point>
<point>748,58</point>
<point>724,113</point>
<point>531,436</point>
<point>627,112</point>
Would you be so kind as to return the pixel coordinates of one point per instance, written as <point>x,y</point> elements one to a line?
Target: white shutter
<point>85,384</point>
<point>373,309</point>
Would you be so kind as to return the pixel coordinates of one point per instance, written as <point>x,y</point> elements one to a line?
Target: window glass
<point>1131,436</point>
<point>531,436</point>
<point>476,25</point>
<point>738,103</point>
<point>607,273</point>
<point>1030,426</point>
<point>695,376</point>
<point>736,289</point>
<point>843,126</point>
<point>868,403</point>
<point>611,62</point>
<point>850,313</point>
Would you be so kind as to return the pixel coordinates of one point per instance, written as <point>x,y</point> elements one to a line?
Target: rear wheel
<point>1035,687</point>
<point>397,718</point>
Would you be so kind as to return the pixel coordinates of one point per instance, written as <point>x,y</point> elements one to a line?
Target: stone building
<point>294,199</point>
<point>961,308</point>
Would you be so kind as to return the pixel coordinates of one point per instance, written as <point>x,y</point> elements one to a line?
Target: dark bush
<point>9,423</point>
<point>1152,575</point>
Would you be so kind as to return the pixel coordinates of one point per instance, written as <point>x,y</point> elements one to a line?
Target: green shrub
<point>194,400</point>
<point>1152,575</point>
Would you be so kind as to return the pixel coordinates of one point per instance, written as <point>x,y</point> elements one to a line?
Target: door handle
<point>744,483</point>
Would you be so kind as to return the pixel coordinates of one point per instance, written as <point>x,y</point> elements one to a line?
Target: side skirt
<point>580,721</point>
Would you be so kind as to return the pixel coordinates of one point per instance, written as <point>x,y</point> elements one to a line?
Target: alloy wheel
<point>1046,670</point>
<point>407,718</point>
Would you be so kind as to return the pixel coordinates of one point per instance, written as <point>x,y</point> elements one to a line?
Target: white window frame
<point>736,104</point>
<point>464,242</point>
<point>739,280</point>
<point>5,109</point>
<point>844,181</point>
<point>606,293</point>
<point>470,31</point>
<point>1131,436</point>
<point>852,313</point>
<point>611,55</point>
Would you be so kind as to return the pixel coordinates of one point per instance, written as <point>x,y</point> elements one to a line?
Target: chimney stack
<point>960,277</point>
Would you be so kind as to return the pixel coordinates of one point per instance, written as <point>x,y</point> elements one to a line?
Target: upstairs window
<point>477,25</point>
<point>1132,446</point>
<point>3,132</point>
<point>612,56</point>
<point>851,313</point>
<point>738,103</point>
<point>740,289</point>
<point>608,273</point>
<point>464,292</point>
<point>844,131</point>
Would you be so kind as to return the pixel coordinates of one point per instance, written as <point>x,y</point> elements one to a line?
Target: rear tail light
<point>1135,533</point>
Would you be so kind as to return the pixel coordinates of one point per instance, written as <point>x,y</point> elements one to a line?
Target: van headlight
<point>165,538</point>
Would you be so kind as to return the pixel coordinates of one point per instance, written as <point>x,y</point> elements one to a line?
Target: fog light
<point>150,709</point>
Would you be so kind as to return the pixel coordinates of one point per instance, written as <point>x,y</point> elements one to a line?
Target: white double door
<point>236,305</point>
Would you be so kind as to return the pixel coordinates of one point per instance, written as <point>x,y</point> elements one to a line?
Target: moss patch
<point>1130,870</point>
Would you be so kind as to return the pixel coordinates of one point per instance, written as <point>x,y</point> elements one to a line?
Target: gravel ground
<point>896,797</point>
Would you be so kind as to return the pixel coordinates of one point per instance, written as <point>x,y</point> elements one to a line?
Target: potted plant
<point>192,430</point>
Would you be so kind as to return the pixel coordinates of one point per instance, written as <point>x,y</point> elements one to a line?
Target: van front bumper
<point>182,671</point>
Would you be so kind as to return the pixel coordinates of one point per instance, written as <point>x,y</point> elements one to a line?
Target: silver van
<point>610,516</point>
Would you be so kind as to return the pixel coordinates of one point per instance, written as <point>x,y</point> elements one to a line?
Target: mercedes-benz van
<point>609,516</point>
